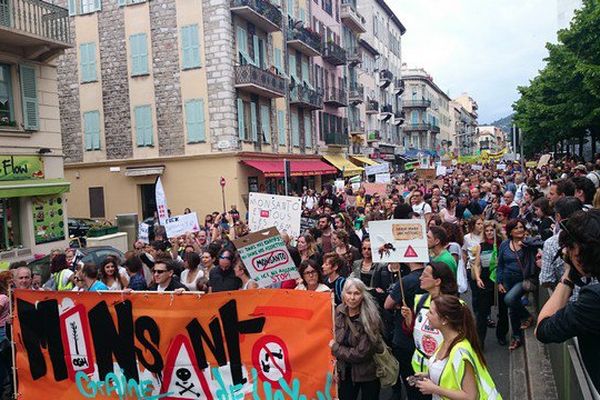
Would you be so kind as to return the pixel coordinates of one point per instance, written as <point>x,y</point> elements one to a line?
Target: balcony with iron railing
<point>352,18</point>
<point>304,97</point>
<point>333,53</point>
<point>354,55</point>
<point>259,81</point>
<point>261,13</point>
<point>372,106</point>
<point>303,39</point>
<point>356,94</point>
<point>423,126</point>
<point>399,118</point>
<point>385,78</point>
<point>387,109</point>
<point>398,86</point>
<point>373,136</point>
<point>336,97</point>
<point>416,103</point>
<point>39,29</point>
<point>338,139</point>
<point>356,127</point>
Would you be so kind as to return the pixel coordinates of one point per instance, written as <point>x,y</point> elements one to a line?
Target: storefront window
<point>10,235</point>
<point>48,219</point>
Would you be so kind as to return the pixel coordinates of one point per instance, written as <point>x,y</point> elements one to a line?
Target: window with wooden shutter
<point>307,131</point>
<point>254,121</point>
<point>278,61</point>
<point>295,130</point>
<point>281,127</point>
<point>29,98</point>
<point>138,47</point>
<point>143,126</point>
<point>265,123</point>
<point>190,46</point>
<point>242,45</point>
<point>241,125</point>
<point>91,129</point>
<point>194,120</point>
<point>87,60</point>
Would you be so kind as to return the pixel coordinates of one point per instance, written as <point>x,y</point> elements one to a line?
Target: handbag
<point>388,367</point>
<point>529,285</point>
<point>461,277</point>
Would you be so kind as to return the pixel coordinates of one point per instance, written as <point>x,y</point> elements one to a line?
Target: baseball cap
<point>581,167</point>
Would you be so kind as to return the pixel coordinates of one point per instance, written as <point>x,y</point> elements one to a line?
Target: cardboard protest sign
<point>143,232</point>
<point>372,188</point>
<point>426,173</point>
<point>267,210</point>
<point>247,344</point>
<point>182,224</point>
<point>266,257</point>
<point>399,240</point>
<point>383,178</point>
<point>377,169</point>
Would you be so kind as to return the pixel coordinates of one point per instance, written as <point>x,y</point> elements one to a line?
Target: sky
<point>483,47</point>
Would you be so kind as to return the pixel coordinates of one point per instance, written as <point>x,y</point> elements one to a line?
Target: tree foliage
<point>563,100</point>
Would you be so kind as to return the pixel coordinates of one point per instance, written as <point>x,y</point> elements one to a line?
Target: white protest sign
<point>476,167</point>
<point>161,202</point>
<point>383,178</point>
<point>143,234</point>
<point>266,257</point>
<point>182,224</point>
<point>501,167</point>
<point>355,186</point>
<point>441,170</point>
<point>377,169</point>
<point>339,184</point>
<point>267,210</point>
<point>399,240</point>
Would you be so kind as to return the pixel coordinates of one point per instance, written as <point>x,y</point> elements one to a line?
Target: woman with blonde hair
<point>308,249</point>
<point>358,330</point>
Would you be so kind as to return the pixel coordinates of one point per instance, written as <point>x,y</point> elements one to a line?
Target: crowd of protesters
<point>508,229</point>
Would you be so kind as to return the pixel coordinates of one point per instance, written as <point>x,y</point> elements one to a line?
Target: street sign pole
<point>222,182</point>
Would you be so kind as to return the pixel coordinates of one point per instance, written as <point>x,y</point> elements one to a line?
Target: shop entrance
<point>148,200</point>
<point>10,235</point>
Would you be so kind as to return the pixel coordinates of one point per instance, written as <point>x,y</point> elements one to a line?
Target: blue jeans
<point>513,284</point>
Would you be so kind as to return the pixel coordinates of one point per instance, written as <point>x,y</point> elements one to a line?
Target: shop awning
<point>274,168</point>
<point>33,187</point>
<point>364,160</point>
<point>343,165</point>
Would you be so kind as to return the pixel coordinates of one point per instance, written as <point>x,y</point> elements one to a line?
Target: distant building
<point>465,121</point>
<point>491,138</point>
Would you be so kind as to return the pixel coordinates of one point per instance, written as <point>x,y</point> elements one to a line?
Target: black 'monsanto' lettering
<point>147,324</point>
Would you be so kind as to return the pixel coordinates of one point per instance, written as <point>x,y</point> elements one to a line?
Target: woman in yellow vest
<point>457,370</point>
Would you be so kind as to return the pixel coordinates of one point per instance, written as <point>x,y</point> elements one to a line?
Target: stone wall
<point>166,72</point>
<point>115,81</point>
<point>68,98</point>
<point>220,56</point>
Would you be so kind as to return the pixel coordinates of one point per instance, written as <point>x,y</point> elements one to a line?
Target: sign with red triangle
<point>410,252</point>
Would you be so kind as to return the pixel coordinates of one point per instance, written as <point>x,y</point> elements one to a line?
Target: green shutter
<point>143,126</point>
<point>277,60</point>
<point>72,7</point>
<point>295,130</point>
<point>30,98</point>
<point>307,131</point>
<point>290,8</point>
<point>256,45</point>
<point>242,44</point>
<point>265,123</point>
<point>281,127</point>
<point>254,121</point>
<point>292,62</point>
<point>240,112</point>
<point>87,57</point>
<point>190,46</point>
<point>305,72</point>
<point>139,54</point>
<point>91,126</point>
<point>97,5</point>
<point>195,123</point>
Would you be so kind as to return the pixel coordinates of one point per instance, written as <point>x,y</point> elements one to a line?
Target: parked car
<point>93,255</point>
<point>79,227</point>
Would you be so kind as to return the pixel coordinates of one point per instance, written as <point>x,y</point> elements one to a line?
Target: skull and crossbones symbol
<point>184,375</point>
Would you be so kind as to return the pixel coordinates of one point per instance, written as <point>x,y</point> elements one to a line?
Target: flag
<point>161,202</point>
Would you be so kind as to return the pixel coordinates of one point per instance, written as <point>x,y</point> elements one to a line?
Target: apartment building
<point>190,90</point>
<point>464,118</point>
<point>491,138</point>
<point>383,33</point>
<point>428,125</point>
<point>33,209</point>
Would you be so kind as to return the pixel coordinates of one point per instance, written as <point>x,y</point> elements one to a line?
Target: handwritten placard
<point>182,224</point>
<point>143,232</point>
<point>268,210</point>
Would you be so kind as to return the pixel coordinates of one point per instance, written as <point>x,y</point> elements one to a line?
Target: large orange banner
<point>255,344</point>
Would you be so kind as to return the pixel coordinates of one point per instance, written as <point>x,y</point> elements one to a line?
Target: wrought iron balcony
<point>385,78</point>
<point>424,126</point>
<point>416,103</point>
<point>336,97</point>
<point>373,136</point>
<point>352,18</point>
<point>354,56</point>
<point>399,118</point>
<point>387,109</point>
<point>40,29</point>
<point>259,81</point>
<point>398,86</point>
<point>261,13</point>
<point>356,127</point>
<point>304,40</point>
<point>435,128</point>
<point>305,97</point>
<point>372,107</point>
<point>356,94</point>
<point>340,139</point>
<point>333,53</point>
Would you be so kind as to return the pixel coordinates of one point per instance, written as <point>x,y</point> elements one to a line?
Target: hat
<point>581,168</point>
<point>504,209</point>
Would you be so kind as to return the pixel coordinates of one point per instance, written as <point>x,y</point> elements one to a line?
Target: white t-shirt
<point>436,368</point>
<point>422,208</point>
<point>191,286</point>
<point>471,241</point>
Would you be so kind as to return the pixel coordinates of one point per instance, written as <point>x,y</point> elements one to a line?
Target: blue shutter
<point>302,14</point>
<point>30,98</point>
<point>143,126</point>
<point>307,131</point>
<point>139,54</point>
<point>242,45</point>
<point>240,112</point>
<point>72,7</point>
<point>256,45</point>
<point>254,121</point>
<point>265,123</point>
<point>91,124</point>
<point>190,46</point>
<point>292,62</point>
<point>295,130</point>
<point>290,8</point>
<point>277,60</point>
<point>305,71</point>
<point>194,114</point>
<point>97,5</point>
<point>87,57</point>
<point>122,2</point>
<point>281,127</point>
<point>414,117</point>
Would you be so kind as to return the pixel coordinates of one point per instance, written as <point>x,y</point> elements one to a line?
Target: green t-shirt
<point>447,259</point>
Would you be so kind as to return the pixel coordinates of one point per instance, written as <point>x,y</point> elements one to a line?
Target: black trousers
<point>404,357</point>
<point>482,304</point>
<point>348,390</point>
<point>502,324</point>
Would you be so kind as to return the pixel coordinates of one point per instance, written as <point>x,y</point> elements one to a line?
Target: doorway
<point>148,200</point>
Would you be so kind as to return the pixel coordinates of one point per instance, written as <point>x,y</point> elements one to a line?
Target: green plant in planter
<point>101,228</point>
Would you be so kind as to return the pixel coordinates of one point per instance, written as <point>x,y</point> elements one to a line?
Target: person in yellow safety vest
<point>63,276</point>
<point>437,278</point>
<point>457,370</point>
